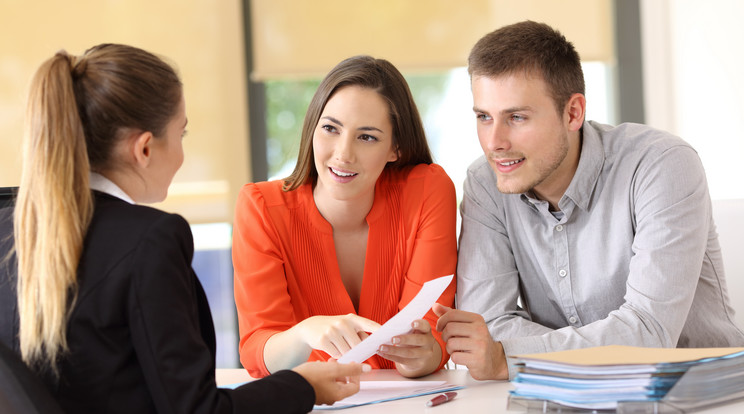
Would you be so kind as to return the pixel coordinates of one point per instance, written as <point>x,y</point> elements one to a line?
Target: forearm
<point>285,350</point>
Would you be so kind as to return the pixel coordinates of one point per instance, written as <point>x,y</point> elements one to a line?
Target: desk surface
<point>476,397</point>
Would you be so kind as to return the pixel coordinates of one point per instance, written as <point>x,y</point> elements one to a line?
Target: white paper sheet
<point>401,322</point>
<point>372,392</point>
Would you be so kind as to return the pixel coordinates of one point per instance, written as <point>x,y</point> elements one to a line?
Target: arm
<point>272,337</point>
<point>487,274</point>
<point>171,330</point>
<point>434,254</point>
<point>668,197</point>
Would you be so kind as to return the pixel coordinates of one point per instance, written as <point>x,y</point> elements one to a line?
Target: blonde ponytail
<point>78,110</point>
<point>52,213</point>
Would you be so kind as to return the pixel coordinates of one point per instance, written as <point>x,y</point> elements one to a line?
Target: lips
<point>506,166</point>
<point>342,176</point>
<point>342,173</point>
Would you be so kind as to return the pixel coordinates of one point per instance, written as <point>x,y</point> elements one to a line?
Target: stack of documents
<point>605,378</point>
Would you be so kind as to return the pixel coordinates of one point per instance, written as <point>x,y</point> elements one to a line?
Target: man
<point>576,234</point>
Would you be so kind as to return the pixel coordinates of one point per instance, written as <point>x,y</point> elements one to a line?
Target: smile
<point>342,173</point>
<point>507,164</point>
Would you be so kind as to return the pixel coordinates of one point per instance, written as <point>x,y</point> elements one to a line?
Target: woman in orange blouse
<point>340,246</point>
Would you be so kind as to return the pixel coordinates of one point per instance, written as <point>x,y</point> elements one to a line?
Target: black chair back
<point>21,391</point>
<point>7,196</point>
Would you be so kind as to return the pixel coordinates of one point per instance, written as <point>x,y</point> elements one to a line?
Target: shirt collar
<point>590,167</point>
<point>104,185</point>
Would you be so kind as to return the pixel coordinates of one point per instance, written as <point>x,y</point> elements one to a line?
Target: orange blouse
<point>285,259</point>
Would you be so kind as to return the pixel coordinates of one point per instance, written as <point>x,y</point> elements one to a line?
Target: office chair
<point>21,391</point>
<point>7,196</point>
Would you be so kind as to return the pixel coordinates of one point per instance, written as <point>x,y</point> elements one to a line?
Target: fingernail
<point>396,340</point>
<point>366,368</point>
<point>415,325</point>
<point>383,348</point>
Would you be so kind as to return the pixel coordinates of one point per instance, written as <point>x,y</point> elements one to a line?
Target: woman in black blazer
<point>111,314</point>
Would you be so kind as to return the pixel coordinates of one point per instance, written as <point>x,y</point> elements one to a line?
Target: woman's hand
<point>330,380</point>
<point>416,353</point>
<point>335,335</point>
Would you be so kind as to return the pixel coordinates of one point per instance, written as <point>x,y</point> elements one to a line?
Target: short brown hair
<point>536,49</point>
<point>381,76</point>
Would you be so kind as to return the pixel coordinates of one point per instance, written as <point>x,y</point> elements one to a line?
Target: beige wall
<point>292,37</point>
<point>203,38</point>
<point>300,38</point>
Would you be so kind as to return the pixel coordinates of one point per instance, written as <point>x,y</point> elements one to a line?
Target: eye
<point>329,128</point>
<point>517,118</point>
<point>482,117</point>
<point>184,133</point>
<point>368,138</point>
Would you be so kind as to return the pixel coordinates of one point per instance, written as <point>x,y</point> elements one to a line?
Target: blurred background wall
<point>250,67</point>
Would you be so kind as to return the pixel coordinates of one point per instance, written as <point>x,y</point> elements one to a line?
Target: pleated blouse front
<point>285,258</point>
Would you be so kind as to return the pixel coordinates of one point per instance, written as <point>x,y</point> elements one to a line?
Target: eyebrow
<point>364,128</point>
<point>507,110</point>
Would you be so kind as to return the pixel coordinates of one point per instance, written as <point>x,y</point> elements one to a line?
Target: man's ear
<point>142,148</point>
<point>575,111</point>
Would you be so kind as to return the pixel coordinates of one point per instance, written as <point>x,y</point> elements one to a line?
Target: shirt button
<point>572,319</point>
<point>559,227</point>
<point>562,273</point>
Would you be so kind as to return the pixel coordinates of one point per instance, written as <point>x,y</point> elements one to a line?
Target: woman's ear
<point>142,148</point>
<point>394,155</point>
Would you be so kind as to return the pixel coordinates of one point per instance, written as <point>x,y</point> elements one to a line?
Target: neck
<point>344,215</point>
<point>554,187</point>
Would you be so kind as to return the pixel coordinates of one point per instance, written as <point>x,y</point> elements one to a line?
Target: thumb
<point>440,309</point>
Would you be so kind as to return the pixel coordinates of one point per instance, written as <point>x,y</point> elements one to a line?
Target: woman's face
<point>352,143</point>
<point>167,155</point>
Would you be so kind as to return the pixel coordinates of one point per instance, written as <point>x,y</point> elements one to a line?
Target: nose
<point>343,150</point>
<point>495,137</point>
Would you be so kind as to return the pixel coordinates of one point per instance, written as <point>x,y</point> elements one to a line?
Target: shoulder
<point>430,177</point>
<point>268,194</point>
<point>629,138</point>
<point>121,226</point>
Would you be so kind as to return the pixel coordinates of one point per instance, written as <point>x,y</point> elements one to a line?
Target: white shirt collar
<point>104,185</point>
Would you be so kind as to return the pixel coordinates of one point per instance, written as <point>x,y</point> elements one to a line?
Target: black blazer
<point>141,335</point>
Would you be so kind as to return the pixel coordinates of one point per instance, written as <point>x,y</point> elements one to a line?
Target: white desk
<point>476,397</point>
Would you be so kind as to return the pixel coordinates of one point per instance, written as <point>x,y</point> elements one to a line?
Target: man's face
<point>524,137</point>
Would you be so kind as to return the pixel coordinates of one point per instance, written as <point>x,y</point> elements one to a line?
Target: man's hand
<point>469,343</point>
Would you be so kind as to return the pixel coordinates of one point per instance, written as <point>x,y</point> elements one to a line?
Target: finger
<point>440,309</point>
<point>352,370</point>
<point>327,346</point>
<point>396,352</point>
<point>456,315</point>
<point>363,324</point>
<point>421,325</point>
<point>413,339</point>
<point>350,336</point>
<point>466,345</point>
<point>459,329</point>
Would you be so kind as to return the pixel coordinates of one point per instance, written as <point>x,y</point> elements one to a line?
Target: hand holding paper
<point>400,323</point>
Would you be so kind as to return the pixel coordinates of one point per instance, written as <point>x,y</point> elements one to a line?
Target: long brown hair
<point>78,109</point>
<point>380,75</point>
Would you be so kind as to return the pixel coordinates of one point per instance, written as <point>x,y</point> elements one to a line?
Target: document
<point>371,392</point>
<point>632,378</point>
<point>400,323</point>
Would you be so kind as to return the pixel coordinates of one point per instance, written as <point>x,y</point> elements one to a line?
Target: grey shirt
<point>633,259</point>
